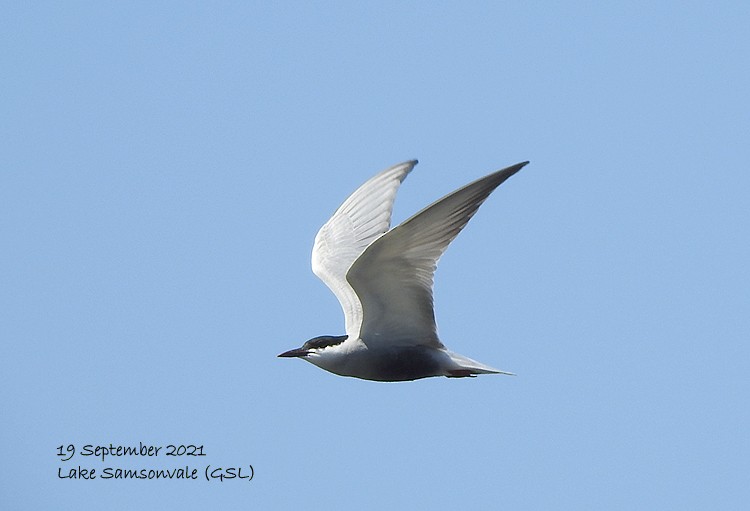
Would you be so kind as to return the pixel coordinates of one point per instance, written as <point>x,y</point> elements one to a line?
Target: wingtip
<point>509,171</point>
<point>519,166</point>
<point>407,165</point>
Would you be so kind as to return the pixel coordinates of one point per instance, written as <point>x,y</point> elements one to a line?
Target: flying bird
<point>383,279</point>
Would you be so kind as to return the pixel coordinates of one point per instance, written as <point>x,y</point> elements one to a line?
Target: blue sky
<point>166,166</point>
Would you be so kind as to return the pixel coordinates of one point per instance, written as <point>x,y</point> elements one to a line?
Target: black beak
<point>296,352</point>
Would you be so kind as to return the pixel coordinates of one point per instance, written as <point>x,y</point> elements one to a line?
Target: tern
<point>383,279</point>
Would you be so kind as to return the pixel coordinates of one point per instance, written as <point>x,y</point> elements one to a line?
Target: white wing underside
<point>384,281</point>
<point>363,217</point>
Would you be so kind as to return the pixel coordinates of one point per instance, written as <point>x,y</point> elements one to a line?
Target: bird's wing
<point>364,216</point>
<point>393,277</point>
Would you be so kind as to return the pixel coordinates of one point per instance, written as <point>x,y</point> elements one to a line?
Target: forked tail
<point>467,367</point>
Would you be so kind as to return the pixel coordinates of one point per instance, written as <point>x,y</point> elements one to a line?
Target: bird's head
<point>315,346</point>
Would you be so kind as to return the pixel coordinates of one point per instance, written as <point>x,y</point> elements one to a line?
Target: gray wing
<point>393,277</point>
<point>364,216</point>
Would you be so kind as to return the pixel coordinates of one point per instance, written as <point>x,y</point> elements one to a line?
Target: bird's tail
<point>466,366</point>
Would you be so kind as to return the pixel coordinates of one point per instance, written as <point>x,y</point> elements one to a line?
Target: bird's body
<point>383,280</point>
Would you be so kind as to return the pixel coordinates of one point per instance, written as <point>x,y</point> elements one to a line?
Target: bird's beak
<point>296,352</point>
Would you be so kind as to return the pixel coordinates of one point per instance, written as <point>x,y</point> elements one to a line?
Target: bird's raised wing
<point>364,216</point>
<point>393,277</point>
